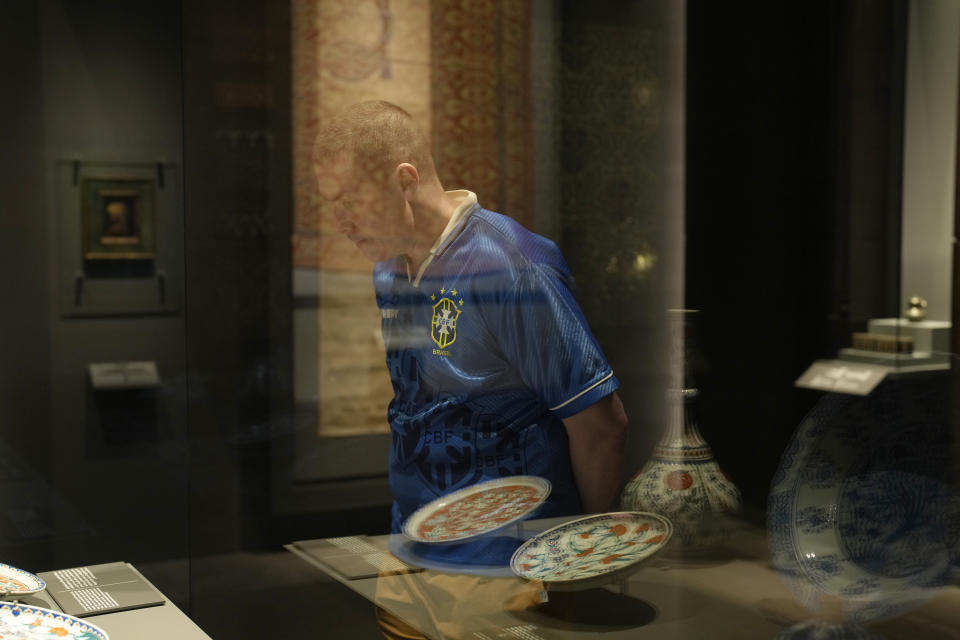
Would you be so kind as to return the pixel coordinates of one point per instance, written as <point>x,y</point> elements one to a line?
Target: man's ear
<point>408,178</point>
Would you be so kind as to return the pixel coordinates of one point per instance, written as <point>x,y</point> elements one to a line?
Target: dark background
<point>794,145</point>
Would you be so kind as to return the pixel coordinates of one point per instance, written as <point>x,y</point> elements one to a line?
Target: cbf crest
<point>443,323</point>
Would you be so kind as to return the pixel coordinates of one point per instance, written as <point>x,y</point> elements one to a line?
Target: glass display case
<point>201,375</point>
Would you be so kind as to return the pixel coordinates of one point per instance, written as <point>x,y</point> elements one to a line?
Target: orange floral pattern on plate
<point>479,512</point>
<point>590,547</point>
<point>17,581</point>
<point>10,584</point>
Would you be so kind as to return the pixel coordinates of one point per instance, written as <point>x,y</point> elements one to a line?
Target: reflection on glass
<point>494,370</point>
<point>345,52</point>
<point>863,514</point>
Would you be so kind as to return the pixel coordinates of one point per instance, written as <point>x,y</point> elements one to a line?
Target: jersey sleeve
<point>542,332</point>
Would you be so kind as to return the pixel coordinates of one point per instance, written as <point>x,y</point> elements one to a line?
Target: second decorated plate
<point>591,550</point>
<point>17,582</point>
<point>477,510</point>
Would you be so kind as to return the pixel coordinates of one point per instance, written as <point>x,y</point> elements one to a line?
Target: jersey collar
<point>466,205</point>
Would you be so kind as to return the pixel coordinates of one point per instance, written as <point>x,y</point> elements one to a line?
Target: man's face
<point>369,209</point>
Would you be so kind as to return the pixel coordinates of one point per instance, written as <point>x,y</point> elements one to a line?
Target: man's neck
<point>430,218</point>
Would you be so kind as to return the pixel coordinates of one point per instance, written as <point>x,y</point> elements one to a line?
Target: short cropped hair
<point>378,135</point>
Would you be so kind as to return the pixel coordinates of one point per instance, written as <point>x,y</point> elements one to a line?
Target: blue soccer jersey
<point>488,352</point>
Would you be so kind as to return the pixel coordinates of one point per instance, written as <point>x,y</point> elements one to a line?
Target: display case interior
<point>192,357</point>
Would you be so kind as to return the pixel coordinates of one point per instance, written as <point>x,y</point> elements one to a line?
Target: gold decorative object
<point>917,310</point>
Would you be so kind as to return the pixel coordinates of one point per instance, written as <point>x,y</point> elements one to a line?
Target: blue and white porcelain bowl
<point>860,511</point>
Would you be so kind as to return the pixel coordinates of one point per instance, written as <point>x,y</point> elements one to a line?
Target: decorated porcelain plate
<point>591,550</point>
<point>17,582</point>
<point>477,510</point>
<point>22,622</point>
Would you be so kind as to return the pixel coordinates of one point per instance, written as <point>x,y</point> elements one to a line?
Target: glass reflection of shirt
<point>487,351</point>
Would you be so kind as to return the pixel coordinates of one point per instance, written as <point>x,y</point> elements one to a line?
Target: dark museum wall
<point>759,189</point>
<point>112,94</point>
<point>620,175</point>
<point>25,324</point>
<point>238,190</point>
<point>794,129</point>
<point>99,476</point>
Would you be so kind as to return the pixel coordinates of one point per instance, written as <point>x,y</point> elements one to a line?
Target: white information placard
<point>841,376</point>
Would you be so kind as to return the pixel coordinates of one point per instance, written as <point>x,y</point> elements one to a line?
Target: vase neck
<point>682,427</point>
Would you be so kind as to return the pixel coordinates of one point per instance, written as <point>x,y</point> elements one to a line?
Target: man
<point>494,369</point>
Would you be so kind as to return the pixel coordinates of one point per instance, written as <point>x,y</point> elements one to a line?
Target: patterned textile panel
<point>433,58</point>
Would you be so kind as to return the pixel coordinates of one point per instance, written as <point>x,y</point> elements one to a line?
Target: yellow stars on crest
<point>453,292</point>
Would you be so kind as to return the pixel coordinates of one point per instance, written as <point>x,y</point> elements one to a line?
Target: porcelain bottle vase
<point>682,480</point>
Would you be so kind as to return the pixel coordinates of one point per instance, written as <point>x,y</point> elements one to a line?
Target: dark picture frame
<point>118,219</point>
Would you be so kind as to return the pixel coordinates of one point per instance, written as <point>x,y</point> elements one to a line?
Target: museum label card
<point>840,376</point>
<point>102,588</point>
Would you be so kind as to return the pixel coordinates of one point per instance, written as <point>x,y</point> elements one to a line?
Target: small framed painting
<point>118,219</point>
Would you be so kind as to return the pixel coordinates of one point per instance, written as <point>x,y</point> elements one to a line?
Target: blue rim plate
<point>24,622</point>
<point>17,582</point>
<point>592,550</point>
